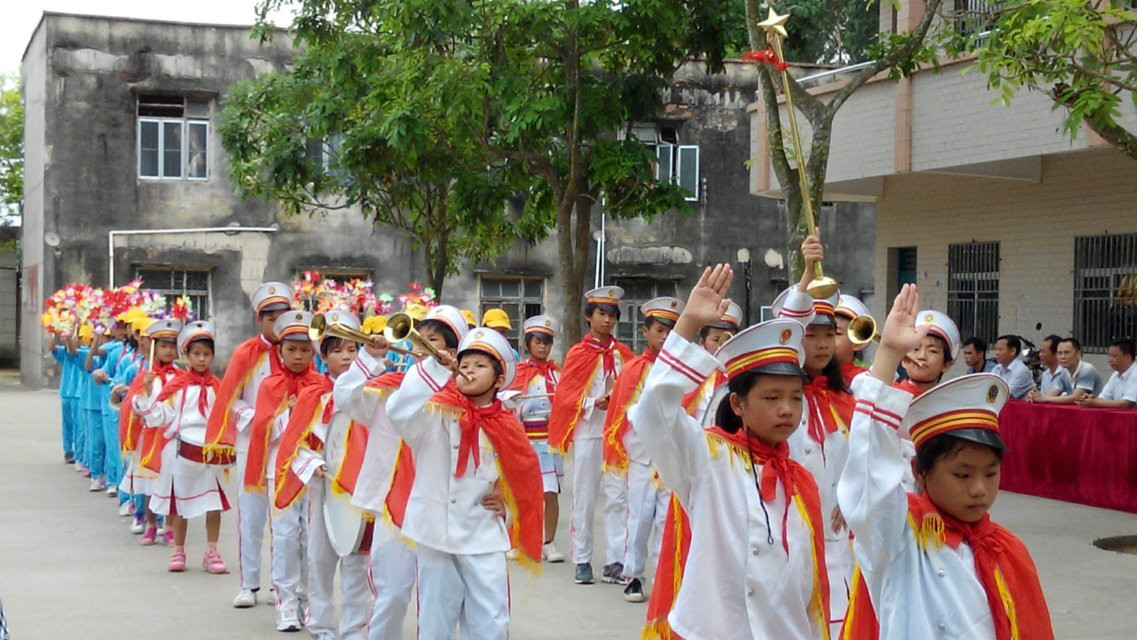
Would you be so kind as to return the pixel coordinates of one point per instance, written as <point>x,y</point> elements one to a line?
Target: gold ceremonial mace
<point>820,287</point>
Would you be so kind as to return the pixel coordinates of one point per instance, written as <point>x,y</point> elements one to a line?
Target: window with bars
<point>1105,290</point>
<point>521,298</point>
<point>173,282</point>
<point>637,291</point>
<point>972,17</point>
<point>674,162</point>
<point>973,289</point>
<point>173,137</point>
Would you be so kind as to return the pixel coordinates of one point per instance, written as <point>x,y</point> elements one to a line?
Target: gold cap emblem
<point>786,335</point>
<point>992,394</point>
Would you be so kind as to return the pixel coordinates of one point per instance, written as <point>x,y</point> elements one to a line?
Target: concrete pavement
<point>69,567</point>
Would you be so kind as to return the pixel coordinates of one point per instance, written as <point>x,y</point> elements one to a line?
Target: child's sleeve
<point>153,413</point>
<point>350,387</point>
<point>675,441</point>
<point>405,407</point>
<point>870,491</point>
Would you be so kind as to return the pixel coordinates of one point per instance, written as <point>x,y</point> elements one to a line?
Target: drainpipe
<point>111,235</point>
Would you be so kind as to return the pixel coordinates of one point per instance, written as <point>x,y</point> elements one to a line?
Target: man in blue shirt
<point>1010,368</point>
<point>975,355</point>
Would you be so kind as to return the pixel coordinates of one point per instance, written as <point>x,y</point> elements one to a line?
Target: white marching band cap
<point>272,296</point>
<point>731,320</point>
<point>541,324</point>
<point>939,324</point>
<point>451,317</point>
<point>494,345</point>
<point>609,295</point>
<point>798,305</point>
<point>293,325</point>
<point>664,308</point>
<point>772,347</point>
<point>343,318</point>
<point>167,329</point>
<point>966,407</point>
<point>851,307</point>
<point>197,330</point>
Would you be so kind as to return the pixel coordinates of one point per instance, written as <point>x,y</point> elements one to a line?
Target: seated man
<point>1083,375</point>
<point>1010,368</point>
<point>975,355</point>
<point>1056,379</point>
<point>1121,390</point>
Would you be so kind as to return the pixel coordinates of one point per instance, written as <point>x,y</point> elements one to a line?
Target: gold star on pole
<point>773,24</point>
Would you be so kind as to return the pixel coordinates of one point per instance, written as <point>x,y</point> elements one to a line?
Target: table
<point>1069,453</point>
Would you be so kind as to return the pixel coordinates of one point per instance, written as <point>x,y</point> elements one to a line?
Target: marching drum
<point>346,523</point>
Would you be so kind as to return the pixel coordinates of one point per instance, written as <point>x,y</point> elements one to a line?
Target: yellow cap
<point>374,325</point>
<point>86,332</point>
<point>130,315</point>
<point>469,316</point>
<point>416,311</point>
<point>141,324</point>
<point>496,319</point>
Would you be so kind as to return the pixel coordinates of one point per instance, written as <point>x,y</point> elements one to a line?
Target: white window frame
<point>185,124</point>
<point>678,165</point>
<point>170,294</point>
<point>673,153</point>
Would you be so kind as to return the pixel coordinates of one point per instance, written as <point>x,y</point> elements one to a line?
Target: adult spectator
<point>1010,368</point>
<point>1121,390</point>
<point>1055,379</point>
<point>975,355</point>
<point>1083,375</point>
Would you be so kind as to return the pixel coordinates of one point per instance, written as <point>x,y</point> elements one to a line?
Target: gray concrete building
<point>126,177</point>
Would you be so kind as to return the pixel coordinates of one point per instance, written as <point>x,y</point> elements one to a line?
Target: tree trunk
<point>572,271</point>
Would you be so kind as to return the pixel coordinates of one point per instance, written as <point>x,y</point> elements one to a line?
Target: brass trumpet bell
<point>862,330</point>
<point>320,329</point>
<point>401,326</point>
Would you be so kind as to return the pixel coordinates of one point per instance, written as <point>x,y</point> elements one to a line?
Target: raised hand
<point>707,301</point>
<point>900,334</point>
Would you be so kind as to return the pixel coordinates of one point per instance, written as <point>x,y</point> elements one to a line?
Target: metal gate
<point>973,289</point>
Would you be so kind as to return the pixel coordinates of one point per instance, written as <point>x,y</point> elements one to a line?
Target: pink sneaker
<point>168,538</point>
<point>149,536</point>
<point>213,562</point>
<point>177,562</point>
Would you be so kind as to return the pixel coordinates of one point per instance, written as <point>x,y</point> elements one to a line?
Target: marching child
<point>477,489</point>
<point>89,397</point>
<point>308,457</point>
<point>63,354</point>
<point>579,411</point>
<point>186,487</point>
<point>227,434</point>
<point>127,383</point>
<point>536,382</point>
<point>624,453</point>
<point>933,561</point>
<point>756,563</point>
<point>848,353</point>
<point>114,354</point>
<point>276,397</point>
<point>151,442</point>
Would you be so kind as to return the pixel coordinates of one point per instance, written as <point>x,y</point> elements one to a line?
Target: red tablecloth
<point>1088,456</point>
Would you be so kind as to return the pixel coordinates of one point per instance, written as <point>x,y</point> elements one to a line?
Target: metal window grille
<point>172,282</point>
<point>637,291</point>
<point>1105,290</point>
<point>521,298</point>
<point>973,288</point>
<point>974,16</point>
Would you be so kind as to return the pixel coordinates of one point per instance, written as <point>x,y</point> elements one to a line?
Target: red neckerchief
<point>827,409</point>
<point>850,370</point>
<point>469,424</point>
<point>545,369</point>
<point>187,378</point>
<point>776,467</point>
<point>607,352</point>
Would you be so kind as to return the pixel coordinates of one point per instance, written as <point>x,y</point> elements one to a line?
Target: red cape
<point>583,362</point>
<point>626,392</point>
<point>220,430</point>
<point>274,396</point>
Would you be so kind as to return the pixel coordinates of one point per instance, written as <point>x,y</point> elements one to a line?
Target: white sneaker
<point>112,492</point>
<point>287,621</point>
<point>550,553</point>
<point>126,509</point>
<point>97,484</point>
<point>245,598</point>
<point>138,527</point>
<point>512,554</point>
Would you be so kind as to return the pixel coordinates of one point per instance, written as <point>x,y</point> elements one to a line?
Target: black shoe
<point>614,574</point>
<point>68,458</point>
<point>583,573</point>
<point>634,592</point>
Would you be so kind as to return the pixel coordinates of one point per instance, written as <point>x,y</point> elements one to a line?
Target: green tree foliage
<point>1081,54</point>
<point>532,93</point>
<point>830,31</point>
<point>11,149</point>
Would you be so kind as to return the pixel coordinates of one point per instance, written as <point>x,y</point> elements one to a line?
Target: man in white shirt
<point>1083,375</point>
<point>1056,379</point>
<point>1010,368</point>
<point>1121,390</point>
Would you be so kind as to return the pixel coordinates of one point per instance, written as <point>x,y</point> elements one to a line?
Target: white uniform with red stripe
<point>252,506</point>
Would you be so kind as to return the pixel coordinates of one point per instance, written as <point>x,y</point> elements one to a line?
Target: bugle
<point>320,329</point>
<point>401,326</point>
<point>862,330</point>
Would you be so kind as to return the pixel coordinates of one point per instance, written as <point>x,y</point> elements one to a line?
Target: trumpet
<point>862,330</point>
<point>320,329</point>
<point>401,326</point>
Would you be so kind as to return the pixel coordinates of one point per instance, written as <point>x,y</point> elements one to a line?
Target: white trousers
<point>252,515</point>
<point>466,591</point>
<point>289,562</point>
<point>839,564</point>
<point>393,572</point>
<point>647,506</point>
<point>586,483</point>
<point>322,563</point>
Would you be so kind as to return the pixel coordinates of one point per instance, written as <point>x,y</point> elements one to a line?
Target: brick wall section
<point>1085,193</point>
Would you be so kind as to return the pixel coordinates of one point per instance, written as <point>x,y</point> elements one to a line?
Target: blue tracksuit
<point>67,408</point>
<point>115,354</point>
<point>127,371</point>
<point>91,416</point>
